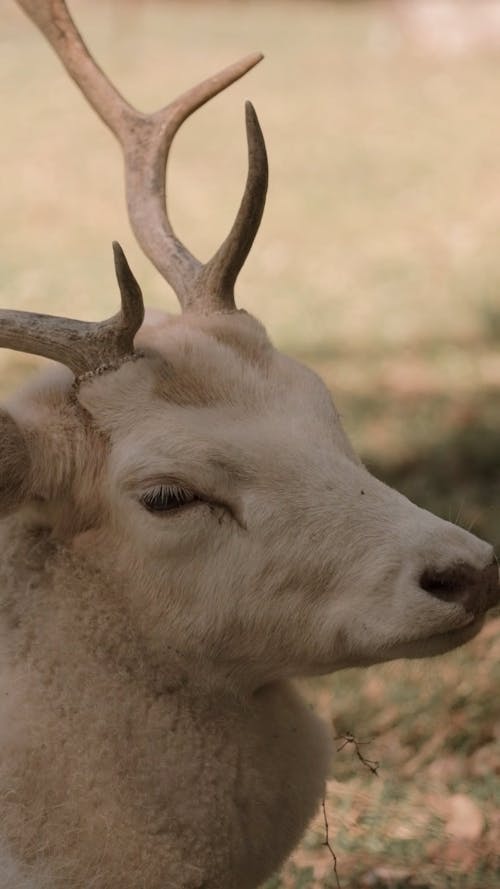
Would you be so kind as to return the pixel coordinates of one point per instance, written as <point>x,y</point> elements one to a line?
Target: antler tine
<point>83,346</point>
<point>219,275</point>
<point>146,140</point>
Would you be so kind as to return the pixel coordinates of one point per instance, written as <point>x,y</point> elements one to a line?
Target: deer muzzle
<point>475,589</point>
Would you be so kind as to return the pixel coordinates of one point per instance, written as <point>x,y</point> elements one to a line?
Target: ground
<point>378,263</point>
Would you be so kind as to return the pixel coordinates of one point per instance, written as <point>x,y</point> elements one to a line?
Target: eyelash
<point>167,498</point>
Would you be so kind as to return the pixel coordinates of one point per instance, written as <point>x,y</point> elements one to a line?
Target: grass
<point>429,819</point>
<point>377,263</point>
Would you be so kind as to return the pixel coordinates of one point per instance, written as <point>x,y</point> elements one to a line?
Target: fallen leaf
<point>465,820</point>
<point>446,768</point>
<point>485,760</point>
<point>386,876</point>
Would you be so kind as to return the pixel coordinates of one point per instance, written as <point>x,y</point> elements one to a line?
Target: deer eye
<point>165,498</point>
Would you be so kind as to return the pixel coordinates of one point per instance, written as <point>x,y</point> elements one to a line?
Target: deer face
<point>256,541</point>
<point>212,473</point>
<point>212,483</point>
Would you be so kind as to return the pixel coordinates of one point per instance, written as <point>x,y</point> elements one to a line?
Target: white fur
<point>149,733</point>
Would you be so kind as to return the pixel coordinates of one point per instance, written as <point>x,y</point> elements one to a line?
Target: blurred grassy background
<point>378,263</point>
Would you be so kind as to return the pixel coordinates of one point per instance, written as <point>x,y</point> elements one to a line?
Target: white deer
<point>185,529</point>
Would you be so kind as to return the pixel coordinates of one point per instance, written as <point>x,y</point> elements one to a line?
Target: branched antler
<point>146,141</point>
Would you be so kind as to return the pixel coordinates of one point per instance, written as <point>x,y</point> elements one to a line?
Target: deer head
<point>206,470</point>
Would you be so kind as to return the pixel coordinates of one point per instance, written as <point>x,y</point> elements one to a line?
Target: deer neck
<point>109,751</point>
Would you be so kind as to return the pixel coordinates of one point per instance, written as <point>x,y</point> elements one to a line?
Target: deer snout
<point>475,589</point>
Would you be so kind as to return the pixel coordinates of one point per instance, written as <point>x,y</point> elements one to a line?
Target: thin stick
<point>349,738</point>
<point>328,846</point>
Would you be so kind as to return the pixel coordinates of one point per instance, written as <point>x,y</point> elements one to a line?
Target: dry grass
<point>430,819</point>
<point>378,262</point>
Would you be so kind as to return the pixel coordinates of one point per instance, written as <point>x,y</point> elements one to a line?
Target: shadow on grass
<point>454,468</point>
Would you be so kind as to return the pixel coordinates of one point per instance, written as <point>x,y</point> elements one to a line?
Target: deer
<point>185,531</point>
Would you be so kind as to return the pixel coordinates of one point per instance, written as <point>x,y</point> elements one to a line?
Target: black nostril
<point>447,583</point>
<point>476,589</point>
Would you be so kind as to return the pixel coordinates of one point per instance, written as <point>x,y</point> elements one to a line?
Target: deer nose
<point>476,589</point>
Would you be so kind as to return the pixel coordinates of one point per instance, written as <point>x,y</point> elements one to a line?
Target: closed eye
<point>167,497</point>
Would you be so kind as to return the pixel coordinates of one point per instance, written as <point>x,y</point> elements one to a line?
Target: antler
<point>83,346</point>
<point>146,140</point>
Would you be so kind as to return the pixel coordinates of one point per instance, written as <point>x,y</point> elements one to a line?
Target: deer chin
<point>432,645</point>
<point>443,641</point>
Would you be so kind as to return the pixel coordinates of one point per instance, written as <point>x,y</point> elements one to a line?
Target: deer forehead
<point>212,390</point>
<point>226,361</point>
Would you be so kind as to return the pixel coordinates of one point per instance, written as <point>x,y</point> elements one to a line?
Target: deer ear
<point>14,463</point>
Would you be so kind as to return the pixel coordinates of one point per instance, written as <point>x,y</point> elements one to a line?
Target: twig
<point>349,738</point>
<point>328,846</point>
